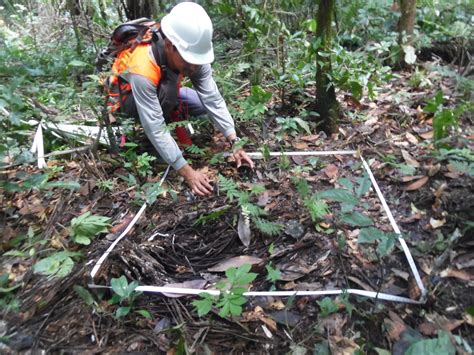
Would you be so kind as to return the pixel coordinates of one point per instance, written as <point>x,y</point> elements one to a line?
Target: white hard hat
<point>189,28</point>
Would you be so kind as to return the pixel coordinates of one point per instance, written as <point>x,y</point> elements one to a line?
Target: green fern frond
<point>267,227</point>
<point>302,186</point>
<point>317,208</point>
<point>229,187</point>
<point>194,149</point>
<point>254,210</point>
<point>257,189</point>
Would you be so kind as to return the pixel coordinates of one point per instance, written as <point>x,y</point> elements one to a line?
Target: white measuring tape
<point>38,146</point>
<point>371,294</point>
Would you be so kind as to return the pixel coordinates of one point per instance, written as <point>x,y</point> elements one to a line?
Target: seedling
<point>124,294</point>
<point>105,185</point>
<point>231,299</point>
<point>253,212</point>
<point>273,275</point>
<point>87,226</point>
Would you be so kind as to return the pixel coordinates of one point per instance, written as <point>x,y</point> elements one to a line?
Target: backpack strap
<point>158,50</point>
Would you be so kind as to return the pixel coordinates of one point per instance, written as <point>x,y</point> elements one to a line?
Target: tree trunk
<point>140,8</point>
<point>406,24</point>
<point>326,102</point>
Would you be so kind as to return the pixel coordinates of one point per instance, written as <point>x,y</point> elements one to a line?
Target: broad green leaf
<point>303,124</point>
<point>122,312</point>
<point>369,235</point>
<point>145,313</point>
<point>80,239</point>
<point>77,63</point>
<point>273,273</point>
<point>225,310</point>
<point>356,219</point>
<point>346,183</point>
<point>203,306</point>
<point>56,265</point>
<point>235,310</point>
<point>364,184</point>
<point>386,245</point>
<point>338,195</point>
<point>84,294</point>
<point>120,286</point>
<point>438,346</point>
<point>327,306</point>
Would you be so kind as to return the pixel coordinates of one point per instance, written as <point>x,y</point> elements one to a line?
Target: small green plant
<point>284,162</point>
<point>404,169</point>
<point>139,163</point>
<point>273,275</point>
<point>327,306</point>
<point>251,211</point>
<point>292,126</point>
<point>105,185</point>
<point>87,226</point>
<point>231,299</point>
<point>58,265</point>
<point>462,160</point>
<point>143,164</point>
<point>317,208</point>
<point>254,106</point>
<point>194,149</point>
<point>385,241</point>
<point>8,301</point>
<point>125,296</point>
<point>445,120</point>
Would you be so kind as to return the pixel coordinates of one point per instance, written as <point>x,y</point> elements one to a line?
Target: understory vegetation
<point>402,155</point>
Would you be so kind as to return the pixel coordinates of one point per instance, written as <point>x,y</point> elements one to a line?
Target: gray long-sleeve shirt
<point>151,113</point>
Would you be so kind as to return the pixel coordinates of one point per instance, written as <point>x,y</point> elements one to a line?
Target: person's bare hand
<point>242,158</point>
<point>197,181</point>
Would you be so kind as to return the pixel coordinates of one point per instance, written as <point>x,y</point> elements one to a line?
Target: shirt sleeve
<point>153,122</point>
<point>212,100</point>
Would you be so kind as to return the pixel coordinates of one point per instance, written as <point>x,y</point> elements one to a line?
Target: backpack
<point>125,36</point>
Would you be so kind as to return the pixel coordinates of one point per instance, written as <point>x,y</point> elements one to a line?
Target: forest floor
<point>430,197</point>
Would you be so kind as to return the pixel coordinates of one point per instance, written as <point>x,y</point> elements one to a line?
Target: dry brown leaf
<point>428,328</point>
<point>289,286</point>
<point>410,178</point>
<point>413,290</point>
<point>417,184</point>
<point>300,145</point>
<point>263,199</point>
<point>310,138</point>
<point>395,326</point>
<point>441,323</point>
<point>409,159</point>
<point>469,319</point>
<point>334,323</point>
<point>360,283</point>
<point>458,274</point>
<point>426,135</point>
<point>270,206</point>
<point>235,262</point>
<point>277,304</point>
<point>437,223</point>
<point>452,175</point>
<point>411,138</point>
<point>243,229</point>
<point>331,171</point>
<point>342,346</point>
<point>371,121</point>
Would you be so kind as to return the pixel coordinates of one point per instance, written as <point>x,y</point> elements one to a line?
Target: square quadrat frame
<point>164,290</point>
